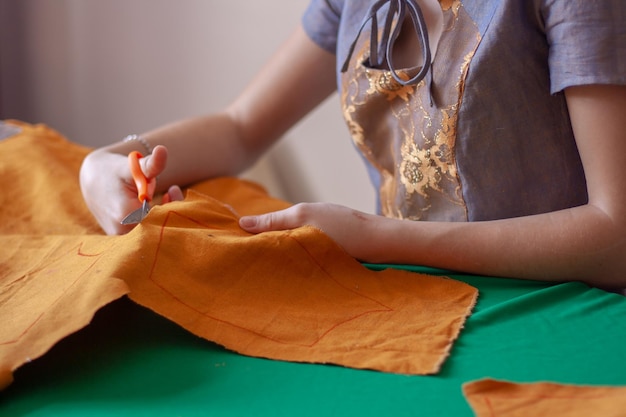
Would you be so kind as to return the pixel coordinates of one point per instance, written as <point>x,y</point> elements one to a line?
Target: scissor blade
<point>138,215</point>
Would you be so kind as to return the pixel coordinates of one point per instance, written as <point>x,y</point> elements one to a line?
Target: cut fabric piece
<point>493,398</point>
<point>292,295</point>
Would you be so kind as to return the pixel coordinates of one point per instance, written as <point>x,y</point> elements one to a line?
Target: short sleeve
<point>587,41</point>
<point>321,23</point>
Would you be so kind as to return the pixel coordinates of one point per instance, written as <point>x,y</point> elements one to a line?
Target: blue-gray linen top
<point>486,134</point>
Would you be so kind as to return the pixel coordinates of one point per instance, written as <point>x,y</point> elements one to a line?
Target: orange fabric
<point>292,295</point>
<point>39,182</point>
<point>52,279</point>
<point>50,287</point>
<point>491,398</point>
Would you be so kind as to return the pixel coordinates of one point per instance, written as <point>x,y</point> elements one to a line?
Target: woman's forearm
<point>578,244</point>
<point>198,148</point>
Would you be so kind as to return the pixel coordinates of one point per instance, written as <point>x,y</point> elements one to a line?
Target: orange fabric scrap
<point>492,398</point>
<point>292,295</point>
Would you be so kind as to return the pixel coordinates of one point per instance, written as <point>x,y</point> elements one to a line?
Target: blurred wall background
<point>97,70</point>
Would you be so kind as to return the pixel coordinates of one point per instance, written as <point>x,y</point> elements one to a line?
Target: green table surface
<point>132,362</point>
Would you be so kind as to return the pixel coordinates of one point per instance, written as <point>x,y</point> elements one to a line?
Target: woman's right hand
<point>109,189</point>
<point>213,145</point>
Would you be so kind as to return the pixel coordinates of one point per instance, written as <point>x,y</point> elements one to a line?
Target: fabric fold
<point>51,286</point>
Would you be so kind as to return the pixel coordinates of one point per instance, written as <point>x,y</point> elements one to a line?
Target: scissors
<point>141,182</point>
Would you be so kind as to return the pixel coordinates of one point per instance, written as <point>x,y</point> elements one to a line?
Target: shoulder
<point>327,22</point>
<point>321,22</point>
<point>587,41</point>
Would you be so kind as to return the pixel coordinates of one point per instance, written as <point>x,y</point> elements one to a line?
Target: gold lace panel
<point>408,133</point>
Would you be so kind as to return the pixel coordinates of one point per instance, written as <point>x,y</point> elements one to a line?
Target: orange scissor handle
<point>140,179</point>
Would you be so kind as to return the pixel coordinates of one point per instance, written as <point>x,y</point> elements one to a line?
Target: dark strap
<point>390,33</point>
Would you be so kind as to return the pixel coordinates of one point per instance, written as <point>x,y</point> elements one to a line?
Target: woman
<point>498,124</point>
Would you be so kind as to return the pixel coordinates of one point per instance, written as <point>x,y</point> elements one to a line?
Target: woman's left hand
<point>351,229</point>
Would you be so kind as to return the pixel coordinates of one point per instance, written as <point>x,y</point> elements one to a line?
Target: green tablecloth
<point>131,362</point>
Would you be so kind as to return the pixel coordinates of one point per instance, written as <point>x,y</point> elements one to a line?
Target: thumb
<point>154,164</point>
